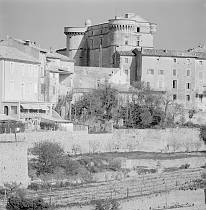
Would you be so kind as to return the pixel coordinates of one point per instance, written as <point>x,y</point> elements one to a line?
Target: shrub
<point>10,127</point>
<point>203,133</point>
<point>108,204</point>
<point>185,166</point>
<point>16,203</point>
<point>48,126</point>
<point>49,156</point>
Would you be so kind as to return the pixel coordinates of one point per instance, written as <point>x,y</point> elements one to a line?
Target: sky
<point>181,24</point>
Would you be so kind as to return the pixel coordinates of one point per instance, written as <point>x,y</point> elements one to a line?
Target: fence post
<point>127,192</point>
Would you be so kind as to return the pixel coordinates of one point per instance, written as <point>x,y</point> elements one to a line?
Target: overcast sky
<point>181,24</point>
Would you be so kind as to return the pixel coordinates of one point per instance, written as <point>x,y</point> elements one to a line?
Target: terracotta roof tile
<point>11,53</point>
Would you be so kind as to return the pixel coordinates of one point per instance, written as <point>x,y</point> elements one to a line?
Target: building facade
<point>94,45</point>
<point>32,79</point>
<point>180,73</point>
<point>19,84</point>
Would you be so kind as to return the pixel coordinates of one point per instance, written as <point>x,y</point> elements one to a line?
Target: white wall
<point>13,163</point>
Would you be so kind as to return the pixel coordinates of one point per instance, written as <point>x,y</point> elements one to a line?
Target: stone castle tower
<point>95,45</point>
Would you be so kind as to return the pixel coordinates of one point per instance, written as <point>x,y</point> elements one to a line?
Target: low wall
<point>122,140</point>
<point>194,162</point>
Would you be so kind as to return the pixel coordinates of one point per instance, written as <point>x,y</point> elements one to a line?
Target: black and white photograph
<point>102,104</point>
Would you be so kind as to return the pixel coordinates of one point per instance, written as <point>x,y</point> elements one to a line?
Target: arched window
<point>6,110</point>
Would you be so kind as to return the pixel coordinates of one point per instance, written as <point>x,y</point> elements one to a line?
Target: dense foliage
<point>143,109</point>
<point>48,126</point>
<point>203,133</point>
<point>99,103</point>
<point>17,203</point>
<point>11,127</point>
<point>108,204</point>
<point>49,156</point>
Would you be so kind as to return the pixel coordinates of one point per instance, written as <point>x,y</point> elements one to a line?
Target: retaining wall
<point>148,140</point>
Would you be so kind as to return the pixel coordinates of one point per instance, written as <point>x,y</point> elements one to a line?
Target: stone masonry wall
<point>123,140</point>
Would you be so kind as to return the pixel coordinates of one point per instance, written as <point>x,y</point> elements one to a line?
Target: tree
<point>49,156</point>
<point>99,103</point>
<point>64,101</point>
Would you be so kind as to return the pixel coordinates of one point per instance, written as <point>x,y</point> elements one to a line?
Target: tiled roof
<point>11,53</point>
<point>62,49</point>
<point>95,72</point>
<point>58,56</point>
<point>168,53</point>
<point>125,53</point>
<point>199,49</point>
<point>23,42</point>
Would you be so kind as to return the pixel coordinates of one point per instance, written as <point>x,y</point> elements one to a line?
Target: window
<point>126,60</point>
<point>101,41</point>
<point>138,29</point>
<point>188,60</point>
<point>54,90</point>
<point>188,85</point>
<point>174,83</point>
<point>174,97</point>
<point>126,71</point>
<point>174,72</point>
<point>188,72</point>
<point>92,43</point>
<point>42,71</point>
<point>6,110</point>
<point>160,84</point>
<point>42,88</point>
<point>150,71</point>
<point>12,68</point>
<point>126,42</point>
<point>175,60</point>
<point>98,83</point>
<point>138,43</point>
<point>188,97</point>
<point>200,62</point>
<point>161,72</point>
<point>148,84</point>
<point>13,110</point>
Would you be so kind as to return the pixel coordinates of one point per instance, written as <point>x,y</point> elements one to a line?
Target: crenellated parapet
<point>74,30</point>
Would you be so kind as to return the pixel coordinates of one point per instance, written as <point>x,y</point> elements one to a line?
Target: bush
<point>48,126</point>
<point>16,203</point>
<point>203,133</point>
<point>108,204</point>
<point>49,156</point>
<point>10,127</point>
<point>185,166</point>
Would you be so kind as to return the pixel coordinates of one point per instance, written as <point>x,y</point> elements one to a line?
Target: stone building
<point>86,79</point>
<point>13,163</point>
<point>94,45</point>
<point>19,84</point>
<point>127,43</point>
<point>181,73</point>
<point>32,79</point>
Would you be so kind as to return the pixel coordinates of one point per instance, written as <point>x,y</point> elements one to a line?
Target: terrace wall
<point>122,140</point>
